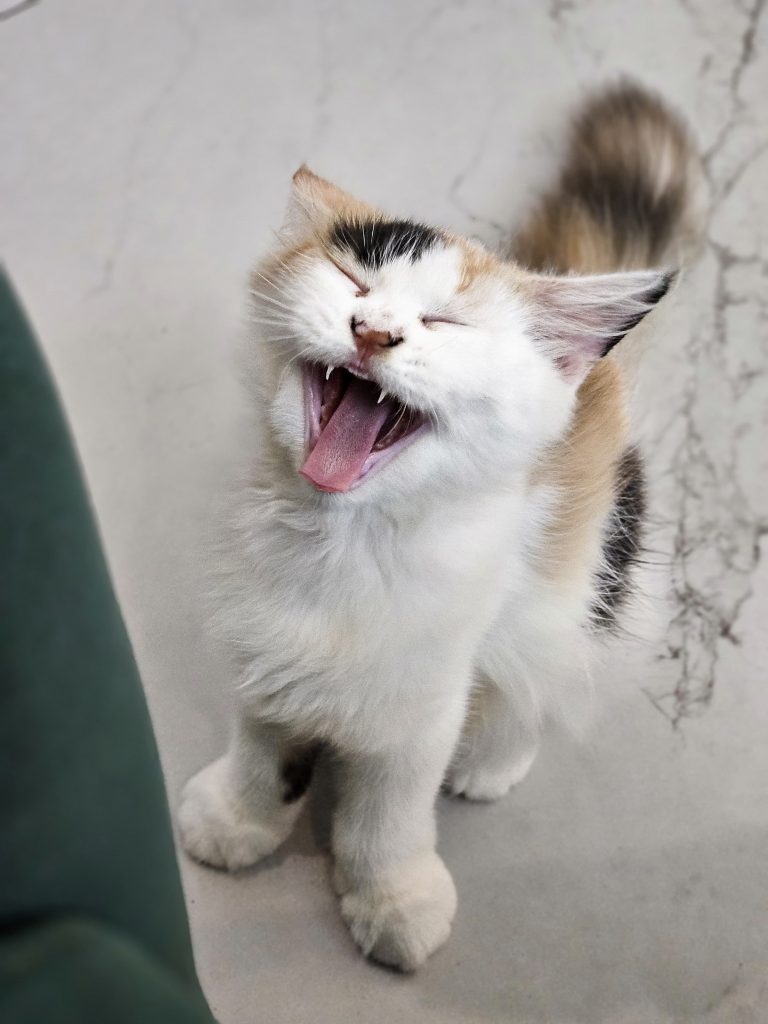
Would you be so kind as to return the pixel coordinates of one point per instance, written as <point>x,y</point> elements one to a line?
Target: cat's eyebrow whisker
<point>282,287</point>
<point>304,257</point>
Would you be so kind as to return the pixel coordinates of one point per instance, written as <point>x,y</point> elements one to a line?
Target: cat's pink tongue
<point>347,440</point>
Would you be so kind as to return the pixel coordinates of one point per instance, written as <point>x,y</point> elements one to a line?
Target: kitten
<point>443,512</point>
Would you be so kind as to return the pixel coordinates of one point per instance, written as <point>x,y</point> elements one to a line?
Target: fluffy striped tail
<point>629,194</point>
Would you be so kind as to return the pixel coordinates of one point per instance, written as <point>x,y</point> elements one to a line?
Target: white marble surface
<point>146,150</point>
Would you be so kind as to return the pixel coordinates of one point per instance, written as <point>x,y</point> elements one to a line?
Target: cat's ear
<point>315,203</point>
<point>578,320</point>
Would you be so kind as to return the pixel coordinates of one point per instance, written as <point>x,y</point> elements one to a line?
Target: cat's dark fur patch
<point>297,775</point>
<point>627,205</point>
<point>373,243</point>
<point>623,538</point>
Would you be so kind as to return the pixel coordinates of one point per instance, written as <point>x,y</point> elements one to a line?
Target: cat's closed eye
<point>361,288</point>
<point>432,321</point>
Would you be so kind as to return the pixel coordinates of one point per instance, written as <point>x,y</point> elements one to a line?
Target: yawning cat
<point>442,509</point>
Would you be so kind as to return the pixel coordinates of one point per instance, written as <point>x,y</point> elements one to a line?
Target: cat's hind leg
<point>498,744</point>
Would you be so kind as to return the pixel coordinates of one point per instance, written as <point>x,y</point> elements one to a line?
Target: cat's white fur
<point>365,619</point>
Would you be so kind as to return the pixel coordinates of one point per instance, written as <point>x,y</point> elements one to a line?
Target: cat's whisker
<point>273,321</point>
<point>290,363</point>
<point>268,298</point>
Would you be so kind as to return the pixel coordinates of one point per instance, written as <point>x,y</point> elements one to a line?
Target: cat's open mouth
<point>352,427</point>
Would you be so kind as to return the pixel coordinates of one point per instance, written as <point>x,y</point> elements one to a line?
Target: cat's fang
<point>353,427</point>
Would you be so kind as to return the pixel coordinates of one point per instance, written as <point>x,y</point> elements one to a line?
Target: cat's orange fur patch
<point>582,471</point>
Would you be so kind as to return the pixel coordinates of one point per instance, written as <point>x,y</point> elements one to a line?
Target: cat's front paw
<point>401,920</point>
<point>214,826</point>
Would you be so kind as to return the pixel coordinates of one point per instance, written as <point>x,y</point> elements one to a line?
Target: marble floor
<point>146,153</point>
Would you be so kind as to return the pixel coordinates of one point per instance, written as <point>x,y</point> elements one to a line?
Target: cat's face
<point>396,357</point>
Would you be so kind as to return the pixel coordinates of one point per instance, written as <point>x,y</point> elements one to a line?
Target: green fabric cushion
<point>84,824</point>
<point>74,971</point>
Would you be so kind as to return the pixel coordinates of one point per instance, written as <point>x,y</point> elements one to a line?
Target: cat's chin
<point>353,427</point>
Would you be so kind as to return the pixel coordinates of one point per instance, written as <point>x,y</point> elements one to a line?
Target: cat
<point>442,510</point>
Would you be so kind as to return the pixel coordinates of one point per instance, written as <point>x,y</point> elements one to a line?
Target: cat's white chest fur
<point>352,627</point>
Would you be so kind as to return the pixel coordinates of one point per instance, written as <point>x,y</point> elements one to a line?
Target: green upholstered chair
<point>92,919</point>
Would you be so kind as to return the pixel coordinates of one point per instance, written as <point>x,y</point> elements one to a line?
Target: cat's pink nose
<point>368,340</point>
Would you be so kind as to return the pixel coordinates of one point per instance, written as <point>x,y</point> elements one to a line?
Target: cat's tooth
<point>381,397</point>
<point>328,372</point>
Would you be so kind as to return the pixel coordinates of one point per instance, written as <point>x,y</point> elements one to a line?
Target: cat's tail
<point>630,194</point>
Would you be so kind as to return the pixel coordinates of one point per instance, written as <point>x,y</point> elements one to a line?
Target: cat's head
<point>396,357</point>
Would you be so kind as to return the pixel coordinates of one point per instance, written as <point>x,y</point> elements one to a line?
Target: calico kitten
<point>442,510</point>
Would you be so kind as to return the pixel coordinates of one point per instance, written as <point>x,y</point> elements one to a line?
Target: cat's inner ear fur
<point>578,320</point>
<point>315,204</point>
